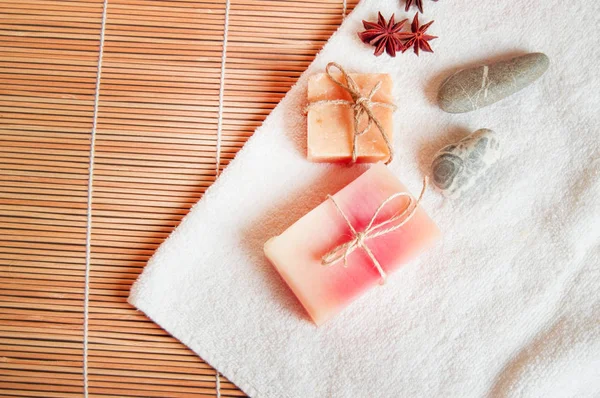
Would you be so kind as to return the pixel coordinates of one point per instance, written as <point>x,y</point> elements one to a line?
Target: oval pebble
<point>475,88</point>
<point>457,167</point>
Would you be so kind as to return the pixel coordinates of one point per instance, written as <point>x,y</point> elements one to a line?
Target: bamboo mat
<point>163,117</point>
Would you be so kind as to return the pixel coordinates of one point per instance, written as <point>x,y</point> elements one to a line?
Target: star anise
<point>383,35</point>
<point>417,39</point>
<point>418,3</point>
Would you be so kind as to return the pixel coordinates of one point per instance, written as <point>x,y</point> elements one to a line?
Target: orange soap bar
<point>331,127</point>
<point>325,290</point>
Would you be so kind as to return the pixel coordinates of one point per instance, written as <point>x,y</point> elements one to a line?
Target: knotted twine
<point>360,105</point>
<point>373,230</point>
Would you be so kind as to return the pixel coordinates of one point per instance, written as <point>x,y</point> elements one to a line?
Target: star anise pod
<point>383,35</point>
<point>418,3</point>
<point>417,39</point>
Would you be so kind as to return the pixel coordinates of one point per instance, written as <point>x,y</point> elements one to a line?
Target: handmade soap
<point>331,126</point>
<point>298,252</point>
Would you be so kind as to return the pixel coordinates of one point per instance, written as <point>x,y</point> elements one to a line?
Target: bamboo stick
<point>28,393</point>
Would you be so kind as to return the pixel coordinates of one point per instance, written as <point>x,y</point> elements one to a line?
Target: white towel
<point>506,305</point>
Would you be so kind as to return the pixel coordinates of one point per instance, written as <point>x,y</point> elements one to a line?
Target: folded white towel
<point>506,305</point>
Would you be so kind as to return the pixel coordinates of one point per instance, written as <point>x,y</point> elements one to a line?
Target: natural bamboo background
<point>155,154</point>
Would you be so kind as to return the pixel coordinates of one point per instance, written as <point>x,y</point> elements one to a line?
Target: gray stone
<point>474,88</point>
<point>457,167</point>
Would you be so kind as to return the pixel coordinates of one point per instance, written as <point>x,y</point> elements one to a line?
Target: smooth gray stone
<point>457,167</point>
<point>474,88</point>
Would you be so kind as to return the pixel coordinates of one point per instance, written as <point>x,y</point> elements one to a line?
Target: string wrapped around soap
<point>362,106</point>
<point>373,230</point>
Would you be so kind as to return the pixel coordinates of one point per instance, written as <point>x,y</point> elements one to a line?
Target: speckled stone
<point>457,167</point>
<point>475,88</point>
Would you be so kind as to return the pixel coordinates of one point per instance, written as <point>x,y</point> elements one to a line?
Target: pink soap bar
<point>331,127</point>
<point>325,290</point>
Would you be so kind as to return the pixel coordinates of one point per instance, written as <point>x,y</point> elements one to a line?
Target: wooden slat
<point>46,90</point>
<point>155,155</point>
<point>134,151</point>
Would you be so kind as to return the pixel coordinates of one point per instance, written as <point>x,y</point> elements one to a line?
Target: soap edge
<point>269,255</point>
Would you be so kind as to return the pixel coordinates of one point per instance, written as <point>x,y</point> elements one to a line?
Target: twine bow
<point>360,105</point>
<point>373,230</point>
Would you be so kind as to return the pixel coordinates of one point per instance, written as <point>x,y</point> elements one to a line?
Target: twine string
<point>361,106</point>
<point>373,230</point>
